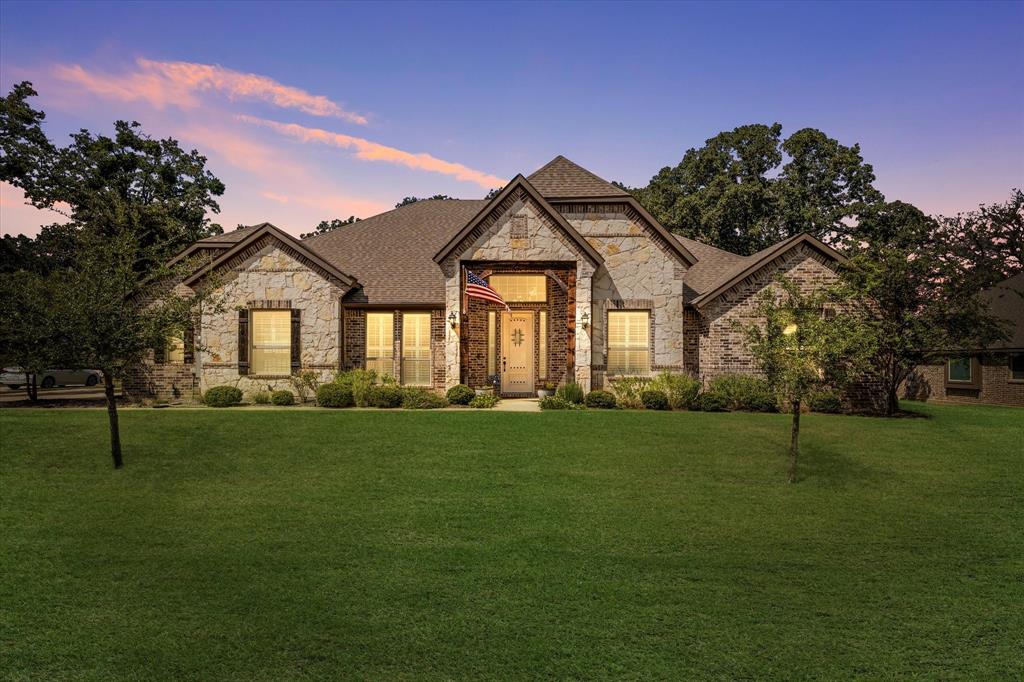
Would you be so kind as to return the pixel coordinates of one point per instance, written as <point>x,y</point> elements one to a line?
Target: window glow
<point>416,349</point>
<point>271,342</point>
<point>629,342</point>
<point>520,288</point>
<point>380,343</point>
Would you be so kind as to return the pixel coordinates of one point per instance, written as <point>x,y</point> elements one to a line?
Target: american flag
<point>477,287</point>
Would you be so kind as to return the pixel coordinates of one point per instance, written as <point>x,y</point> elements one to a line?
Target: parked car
<point>14,377</point>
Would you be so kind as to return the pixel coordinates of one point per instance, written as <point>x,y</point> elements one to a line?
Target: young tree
<point>806,341</point>
<point>134,202</point>
<point>918,299</point>
<point>747,188</point>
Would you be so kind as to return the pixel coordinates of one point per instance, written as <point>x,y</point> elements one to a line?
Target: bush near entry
<point>222,396</point>
<point>460,394</point>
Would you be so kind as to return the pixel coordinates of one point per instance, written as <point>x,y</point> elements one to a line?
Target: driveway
<point>56,393</point>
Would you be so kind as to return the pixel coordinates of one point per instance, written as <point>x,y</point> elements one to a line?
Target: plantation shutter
<point>190,345</point>
<point>416,349</point>
<point>296,340</point>
<point>628,342</point>
<point>243,341</point>
<point>380,330</point>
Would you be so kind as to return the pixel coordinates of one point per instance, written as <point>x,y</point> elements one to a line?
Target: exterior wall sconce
<point>585,320</point>
<point>452,319</point>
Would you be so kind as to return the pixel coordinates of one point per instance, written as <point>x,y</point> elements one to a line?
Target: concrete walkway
<point>517,405</point>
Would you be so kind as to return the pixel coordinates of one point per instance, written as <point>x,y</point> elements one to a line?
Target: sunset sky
<point>314,111</point>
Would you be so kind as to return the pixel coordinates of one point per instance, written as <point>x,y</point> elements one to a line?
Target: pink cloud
<point>274,196</point>
<point>175,83</point>
<point>373,151</point>
<point>17,216</point>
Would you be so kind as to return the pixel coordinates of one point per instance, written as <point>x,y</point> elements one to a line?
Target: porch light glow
<point>452,319</point>
<point>789,330</point>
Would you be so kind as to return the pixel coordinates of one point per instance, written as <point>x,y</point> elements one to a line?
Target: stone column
<point>452,304</point>
<point>584,278</point>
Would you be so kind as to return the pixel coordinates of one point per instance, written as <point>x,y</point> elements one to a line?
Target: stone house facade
<point>595,287</point>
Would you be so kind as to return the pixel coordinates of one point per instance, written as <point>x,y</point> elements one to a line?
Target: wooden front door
<point>517,352</point>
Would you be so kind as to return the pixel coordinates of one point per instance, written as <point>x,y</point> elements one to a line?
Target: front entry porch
<point>519,350</point>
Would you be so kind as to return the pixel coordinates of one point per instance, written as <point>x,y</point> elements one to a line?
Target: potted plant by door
<point>490,388</point>
<point>546,390</point>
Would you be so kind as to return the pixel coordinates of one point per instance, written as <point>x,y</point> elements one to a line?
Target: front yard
<point>448,545</point>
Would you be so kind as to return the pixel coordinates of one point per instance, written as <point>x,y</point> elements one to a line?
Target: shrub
<point>570,393</point>
<point>627,391</point>
<point>334,395</point>
<point>359,382</point>
<point>422,399</point>
<point>484,402</point>
<point>601,400</point>
<point>742,392</point>
<point>282,398</point>
<point>826,401</point>
<point>711,402</point>
<point>261,397</point>
<point>553,402</point>
<point>654,400</point>
<point>461,394</point>
<point>222,396</point>
<point>680,389</point>
<point>385,396</point>
<point>305,383</point>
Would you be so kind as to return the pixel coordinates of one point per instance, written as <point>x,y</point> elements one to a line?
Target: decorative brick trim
<point>269,305</point>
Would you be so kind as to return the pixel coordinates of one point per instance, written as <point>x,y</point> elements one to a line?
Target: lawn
<point>452,545</point>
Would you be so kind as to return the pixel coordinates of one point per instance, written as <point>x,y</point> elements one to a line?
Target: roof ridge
<point>563,177</point>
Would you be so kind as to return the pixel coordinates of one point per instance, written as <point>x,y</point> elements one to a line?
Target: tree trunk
<point>794,442</point>
<point>892,400</point>
<point>30,387</point>
<point>115,432</point>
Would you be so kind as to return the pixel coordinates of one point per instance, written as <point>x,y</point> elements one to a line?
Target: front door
<point>517,352</point>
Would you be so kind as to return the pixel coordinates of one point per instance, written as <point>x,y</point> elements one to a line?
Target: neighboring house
<point>994,374</point>
<point>598,289</point>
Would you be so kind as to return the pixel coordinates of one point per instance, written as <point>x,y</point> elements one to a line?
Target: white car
<point>14,378</point>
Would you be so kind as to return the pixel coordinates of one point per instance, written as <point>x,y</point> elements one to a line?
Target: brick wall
<point>354,353</point>
<point>560,336</point>
<point>161,381</point>
<point>721,347</point>
<point>928,382</point>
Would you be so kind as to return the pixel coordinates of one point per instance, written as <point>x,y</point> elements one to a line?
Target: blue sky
<point>934,93</point>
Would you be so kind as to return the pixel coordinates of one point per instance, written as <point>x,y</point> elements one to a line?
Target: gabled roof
<point>560,178</point>
<point>256,232</point>
<point>519,182</point>
<point>217,242</point>
<point>1006,301</point>
<point>391,253</point>
<point>751,264</point>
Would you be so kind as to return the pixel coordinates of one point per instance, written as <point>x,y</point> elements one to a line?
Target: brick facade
<point>170,381</point>
<point>928,382</point>
<point>561,336</point>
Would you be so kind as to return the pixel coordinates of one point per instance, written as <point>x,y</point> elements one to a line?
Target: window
<point>1016,366</point>
<point>271,342</point>
<point>176,349</point>
<point>960,370</point>
<point>416,349</point>
<point>520,288</point>
<point>492,343</point>
<point>380,343</point>
<point>629,342</point>
<point>542,346</point>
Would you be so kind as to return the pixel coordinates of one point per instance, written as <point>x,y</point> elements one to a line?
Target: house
<point>992,375</point>
<point>596,287</point>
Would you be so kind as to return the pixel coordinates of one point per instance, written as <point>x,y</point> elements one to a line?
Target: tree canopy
<point>329,226</point>
<point>412,200</point>
<point>747,188</point>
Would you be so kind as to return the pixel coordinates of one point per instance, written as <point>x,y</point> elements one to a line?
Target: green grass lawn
<point>289,544</point>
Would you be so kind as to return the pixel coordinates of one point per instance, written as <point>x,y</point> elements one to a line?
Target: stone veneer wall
<point>494,240</point>
<point>721,348</point>
<point>270,274</point>
<point>640,272</point>
<point>928,382</point>
<point>354,356</point>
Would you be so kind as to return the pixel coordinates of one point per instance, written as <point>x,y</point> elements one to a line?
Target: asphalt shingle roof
<point>232,237</point>
<point>561,178</point>
<point>391,254</point>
